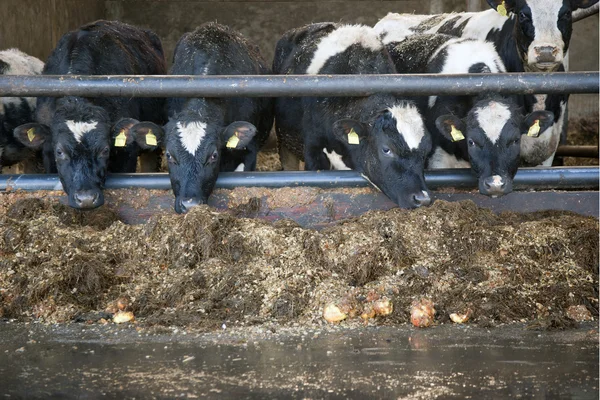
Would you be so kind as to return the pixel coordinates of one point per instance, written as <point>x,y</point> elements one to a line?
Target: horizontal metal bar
<point>527,178</point>
<point>297,85</point>
<point>577,151</point>
<point>582,13</point>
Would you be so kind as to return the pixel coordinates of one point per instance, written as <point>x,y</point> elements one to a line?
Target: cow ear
<point>121,135</point>
<point>350,132</point>
<point>504,7</point>
<point>451,127</point>
<point>238,135</point>
<point>576,4</point>
<point>32,135</point>
<point>537,122</point>
<point>148,135</point>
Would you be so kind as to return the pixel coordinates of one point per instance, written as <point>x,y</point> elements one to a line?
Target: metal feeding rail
<point>308,85</point>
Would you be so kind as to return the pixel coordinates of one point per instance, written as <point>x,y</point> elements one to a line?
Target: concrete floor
<point>95,361</point>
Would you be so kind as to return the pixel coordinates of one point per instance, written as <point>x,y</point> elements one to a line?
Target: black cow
<point>208,135</point>
<point>482,132</point>
<point>530,35</point>
<point>76,134</point>
<point>15,111</point>
<point>381,136</point>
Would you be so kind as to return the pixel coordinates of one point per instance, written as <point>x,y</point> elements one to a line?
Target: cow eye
<point>170,158</point>
<point>387,151</point>
<point>105,152</point>
<point>214,156</point>
<point>516,141</point>
<point>524,16</point>
<point>60,154</point>
<point>471,143</point>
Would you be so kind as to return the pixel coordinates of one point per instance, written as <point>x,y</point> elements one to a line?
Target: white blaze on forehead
<point>339,40</point>
<point>335,160</point>
<point>409,123</point>
<point>191,135</point>
<point>492,119</point>
<point>544,15</point>
<point>79,128</point>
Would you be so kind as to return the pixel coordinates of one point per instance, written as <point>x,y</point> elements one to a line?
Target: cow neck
<point>506,44</point>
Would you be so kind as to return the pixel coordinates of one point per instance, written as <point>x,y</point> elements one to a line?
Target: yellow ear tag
<point>353,137</point>
<point>31,134</point>
<point>457,135</point>
<point>534,130</point>
<point>233,141</point>
<point>502,9</point>
<point>121,139</point>
<point>151,138</point>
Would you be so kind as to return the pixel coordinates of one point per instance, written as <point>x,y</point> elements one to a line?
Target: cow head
<point>391,153</point>
<point>492,136</point>
<point>78,142</point>
<point>194,148</point>
<point>543,29</point>
<point>129,138</point>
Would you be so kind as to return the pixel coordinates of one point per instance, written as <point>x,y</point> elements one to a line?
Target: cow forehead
<point>191,135</point>
<point>339,40</point>
<point>409,123</point>
<point>79,128</point>
<point>544,15</point>
<point>492,118</point>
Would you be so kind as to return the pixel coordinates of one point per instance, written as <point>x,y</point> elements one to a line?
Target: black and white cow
<point>76,134</point>
<point>208,135</point>
<point>481,132</point>
<point>530,35</point>
<point>382,136</point>
<point>15,111</point>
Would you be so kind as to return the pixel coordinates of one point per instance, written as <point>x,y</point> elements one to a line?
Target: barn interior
<point>241,285</point>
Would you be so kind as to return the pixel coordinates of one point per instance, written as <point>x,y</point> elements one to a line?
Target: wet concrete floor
<point>95,361</point>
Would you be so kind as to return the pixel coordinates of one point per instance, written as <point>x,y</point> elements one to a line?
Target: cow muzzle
<point>183,205</point>
<point>421,199</point>
<point>87,199</point>
<point>495,186</point>
<point>545,58</point>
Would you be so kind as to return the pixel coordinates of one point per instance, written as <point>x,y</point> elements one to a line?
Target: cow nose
<point>494,185</point>
<point>546,54</point>
<point>86,199</point>
<point>421,199</point>
<point>187,204</point>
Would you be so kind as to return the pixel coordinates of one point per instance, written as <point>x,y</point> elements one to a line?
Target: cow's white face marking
<point>409,123</point>
<point>544,15</point>
<point>335,160</point>
<point>339,40</point>
<point>442,159</point>
<point>191,135</point>
<point>80,128</point>
<point>492,119</point>
<point>240,168</point>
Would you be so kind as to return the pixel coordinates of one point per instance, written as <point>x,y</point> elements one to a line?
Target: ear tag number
<point>31,134</point>
<point>121,139</point>
<point>457,135</point>
<point>151,138</point>
<point>502,9</point>
<point>353,137</point>
<point>233,141</point>
<point>534,130</point>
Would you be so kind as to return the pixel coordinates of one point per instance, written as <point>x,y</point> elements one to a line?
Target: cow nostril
<point>421,199</point>
<point>187,204</point>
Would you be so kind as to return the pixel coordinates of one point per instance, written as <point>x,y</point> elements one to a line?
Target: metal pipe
<point>297,85</point>
<point>577,151</point>
<point>526,178</point>
<point>582,13</point>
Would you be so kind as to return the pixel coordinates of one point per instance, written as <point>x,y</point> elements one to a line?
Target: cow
<point>15,111</point>
<point>207,135</point>
<point>480,132</point>
<point>83,138</point>
<point>530,35</point>
<point>382,136</point>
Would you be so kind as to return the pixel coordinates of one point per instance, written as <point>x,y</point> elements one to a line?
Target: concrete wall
<point>35,26</point>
